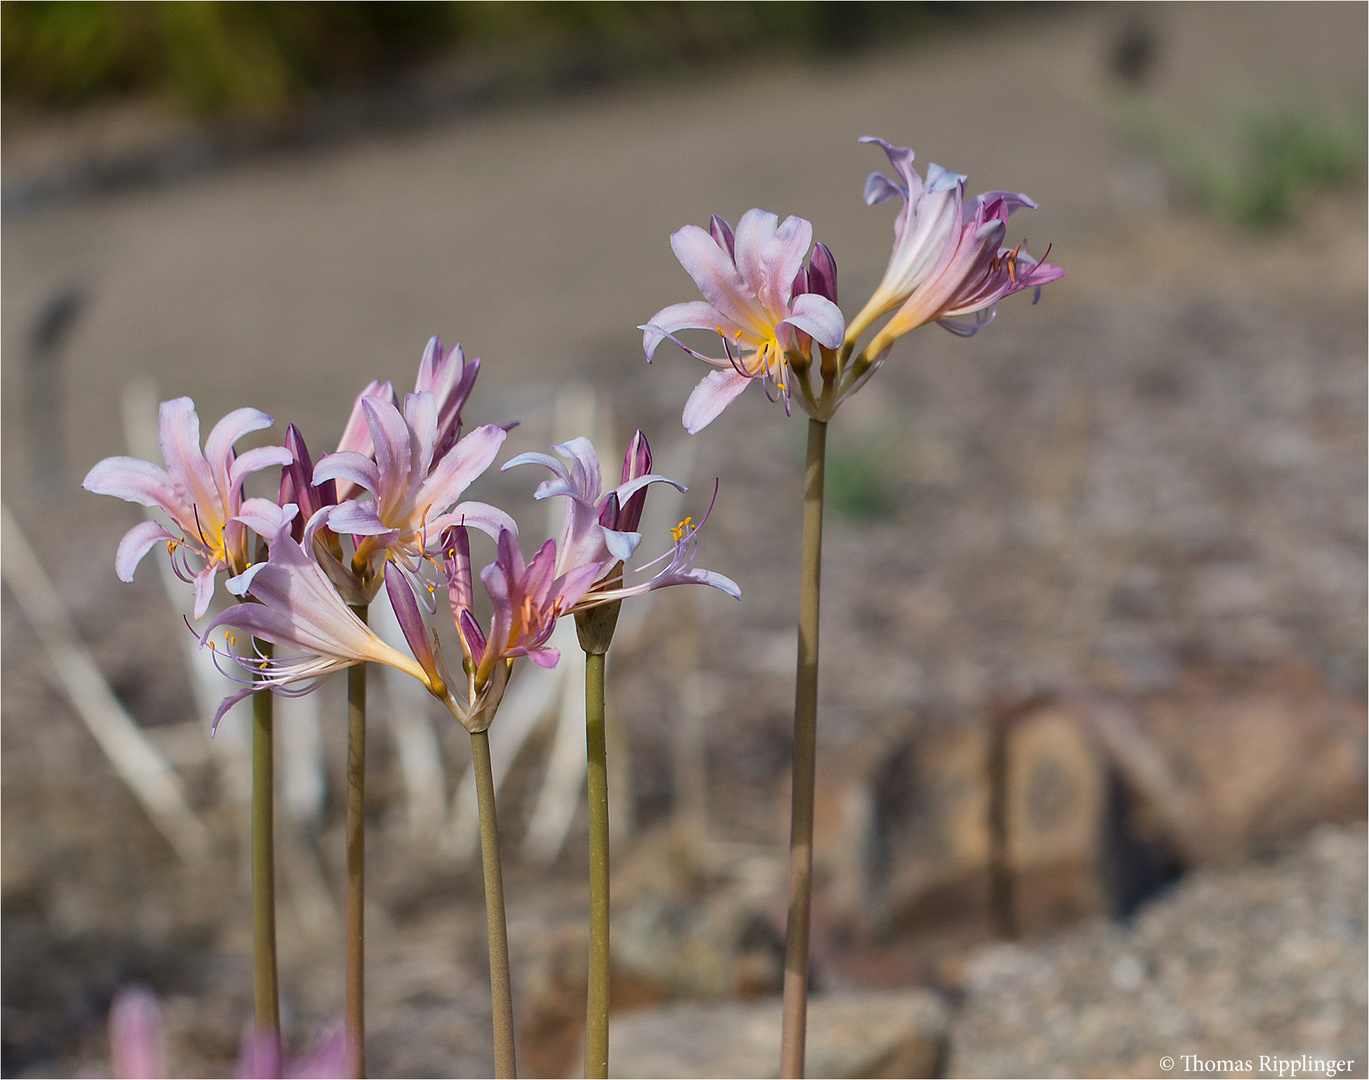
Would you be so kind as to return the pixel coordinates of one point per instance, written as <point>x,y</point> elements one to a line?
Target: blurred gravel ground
<point>1231,965</point>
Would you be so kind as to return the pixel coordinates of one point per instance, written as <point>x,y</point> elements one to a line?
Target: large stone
<point>899,1033</point>
<point>1233,962</point>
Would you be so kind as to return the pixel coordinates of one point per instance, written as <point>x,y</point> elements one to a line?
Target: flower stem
<point>354,1005</point>
<point>596,1015</point>
<point>805,764</point>
<point>501,991</point>
<point>267,990</point>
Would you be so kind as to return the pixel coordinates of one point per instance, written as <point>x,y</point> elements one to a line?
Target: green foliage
<point>1290,154</point>
<point>856,485</point>
<point>1281,156</point>
<point>210,56</point>
<point>257,57</point>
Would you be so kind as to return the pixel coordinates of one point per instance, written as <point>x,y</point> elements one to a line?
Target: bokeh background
<point>1092,773</point>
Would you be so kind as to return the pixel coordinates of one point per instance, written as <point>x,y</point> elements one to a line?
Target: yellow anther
<point>679,532</point>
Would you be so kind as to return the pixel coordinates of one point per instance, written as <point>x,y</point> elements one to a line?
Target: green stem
<point>501,990</point>
<point>805,764</point>
<point>267,990</point>
<point>596,1015</point>
<point>354,1005</point>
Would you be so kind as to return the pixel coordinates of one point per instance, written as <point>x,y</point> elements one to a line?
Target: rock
<point>1267,752</point>
<point>891,1034</point>
<point>1259,959</point>
<point>697,918</point>
<point>933,826</point>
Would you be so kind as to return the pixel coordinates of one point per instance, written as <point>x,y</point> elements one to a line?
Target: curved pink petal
<point>621,544</point>
<point>138,481</point>
<point>691,315</point>
<point>178,432</point>
<point>204,588</point>
<point>901,158</point>
<point>264,517</point>
<point>545,656</point>
<point>630,488</point>
<point>496,579</point>
<point>410,619</point>
<point>573,584</point>
<point>218,448</point>
<point>348,466</point>
<point>536,580</point>
<point>586,476</point>
<point>715,392</point>
<point>393,447</point>
<point>488,519</point>
<point>356,436</point>
<point>769,254</point>
<point>420,413</point>
<point>137,542</point>
<point>818,317</point>
<point>359,519</point>
<point>717,278</point>
<point>261,457</point>
<point>998,205</point>
<point>435,372</point>
<point>536,458</point>
<point>711,578</point>
<point>462,464</point>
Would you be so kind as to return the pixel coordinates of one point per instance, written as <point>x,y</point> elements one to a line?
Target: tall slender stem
<point>805,764</point>
<point>354,1005</point>
<point>596,1015</point>
<point>266,986</point>
<point>501,987</point>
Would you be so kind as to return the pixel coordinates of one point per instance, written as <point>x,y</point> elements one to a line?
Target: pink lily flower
<point>296,606</point>
<point>412,493</point>
<point>201,492</point>
<point>446,374</point>
<point>599,528</point>
<point>527,597</point>
<point>947,260</point>
<point>762,302</point>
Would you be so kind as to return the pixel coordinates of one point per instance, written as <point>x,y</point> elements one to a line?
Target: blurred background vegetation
<point>254,58</point>
<point>1263,162</point>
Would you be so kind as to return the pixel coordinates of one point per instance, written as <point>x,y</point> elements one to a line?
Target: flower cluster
<point>388,509</point>
<point>778,317</point>
<point>385,508</point>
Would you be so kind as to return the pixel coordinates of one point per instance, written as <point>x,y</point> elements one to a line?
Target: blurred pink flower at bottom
<point>137,1040</point>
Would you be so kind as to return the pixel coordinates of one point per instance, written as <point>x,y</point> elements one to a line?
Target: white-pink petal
<point>715,392</point>
<point>138,481</point>
<point>349,466</point>
<point>218,448</point>
<point>178,432</point>
<point>717,278</point>
<point>137,542</point>
<point>818,317</point>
